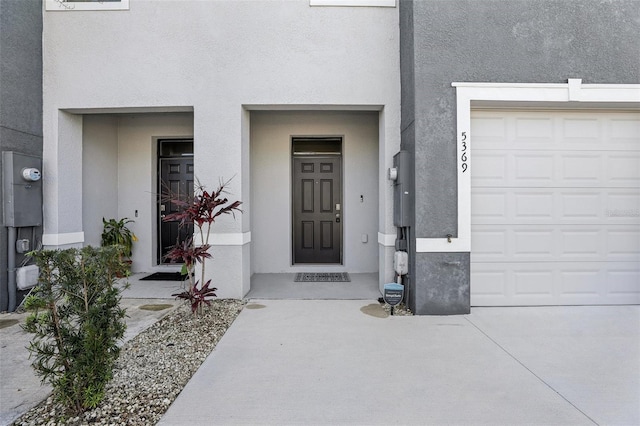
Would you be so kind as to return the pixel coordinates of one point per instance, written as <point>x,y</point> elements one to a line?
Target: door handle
<point>337,217</point>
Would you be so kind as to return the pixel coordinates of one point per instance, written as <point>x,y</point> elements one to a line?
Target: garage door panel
<point>559,206</point>
<point>582,244</point>
<point>533,280</point>
<point>490,244</point>
<point>623,170</point>
<point>490,131</point>
<point>582,169</point>
<point>581,130</point>
<point>581,283</point>
<point>572,131</point>
<point>624,244</point>
<point>553,283</point>
<point>489,168</point>
<point>575,170</point>
<point>581,206</point>
<point>532,169</point>
<point>536,169</point>
<point>539,243</point>
<point>533,128</point>
<point>623,283</point>
<point>489,206</point>
<point>532,243</point>
<point>624,131</point>
<point>622,206</point>
<point>491,285</point>
<point>533,205</point>
<point>552,169</point>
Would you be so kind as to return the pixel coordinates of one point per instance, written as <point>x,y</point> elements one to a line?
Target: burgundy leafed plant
<point>202,211</point>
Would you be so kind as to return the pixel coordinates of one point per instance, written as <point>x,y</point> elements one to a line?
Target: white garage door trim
<point>572,95</point>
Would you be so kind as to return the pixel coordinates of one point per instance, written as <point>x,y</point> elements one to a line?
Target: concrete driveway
<point>332,362</point>
<point>337,362</point>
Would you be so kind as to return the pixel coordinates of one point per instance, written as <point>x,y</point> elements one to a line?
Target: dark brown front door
<point>176,180</point>
<point>317,209</point>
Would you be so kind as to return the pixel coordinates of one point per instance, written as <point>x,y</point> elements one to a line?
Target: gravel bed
<point>152,369</point>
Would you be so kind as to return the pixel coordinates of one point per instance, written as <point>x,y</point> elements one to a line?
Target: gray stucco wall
<point>521,41</point>
<point>20,90</point>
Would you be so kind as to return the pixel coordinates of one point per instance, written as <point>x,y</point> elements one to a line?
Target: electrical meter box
<point>21,189</point>
<point>403,203</point>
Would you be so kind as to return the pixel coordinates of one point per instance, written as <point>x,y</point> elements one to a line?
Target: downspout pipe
<point>11,268</point>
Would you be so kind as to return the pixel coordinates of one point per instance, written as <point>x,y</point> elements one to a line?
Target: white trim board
<point>63,239</point>
<point>572,94</point>
<point>230,239</point>
<point>387,240</point>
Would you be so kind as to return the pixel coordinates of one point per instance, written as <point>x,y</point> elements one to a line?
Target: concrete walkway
<point>332,362</point>
<point>338,362</point>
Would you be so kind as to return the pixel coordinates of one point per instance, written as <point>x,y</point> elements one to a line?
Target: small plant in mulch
<point>201,211</point>
<point>77,322</point>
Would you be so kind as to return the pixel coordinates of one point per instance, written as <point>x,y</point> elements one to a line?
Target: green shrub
<point>77,322</point>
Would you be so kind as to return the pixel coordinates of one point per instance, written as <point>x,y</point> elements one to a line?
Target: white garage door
<point>555,203</point>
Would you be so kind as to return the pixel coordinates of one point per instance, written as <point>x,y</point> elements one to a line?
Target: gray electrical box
<point>403,204</point>
<point>21,189</point>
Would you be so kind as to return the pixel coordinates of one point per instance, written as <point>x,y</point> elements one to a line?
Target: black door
<point>317,209</point>
<point>176,180</point>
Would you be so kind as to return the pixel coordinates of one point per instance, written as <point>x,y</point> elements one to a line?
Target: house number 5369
<point>463,156</point>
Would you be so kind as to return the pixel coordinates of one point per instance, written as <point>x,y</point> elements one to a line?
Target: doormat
<point>320,277</point>
<point>164,276</point>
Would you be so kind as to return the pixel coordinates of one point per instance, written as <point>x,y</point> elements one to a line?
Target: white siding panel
<point>555,207</point>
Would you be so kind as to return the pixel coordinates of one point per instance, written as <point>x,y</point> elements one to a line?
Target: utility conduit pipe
<point>11,268</point>
<point>4,290</point>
